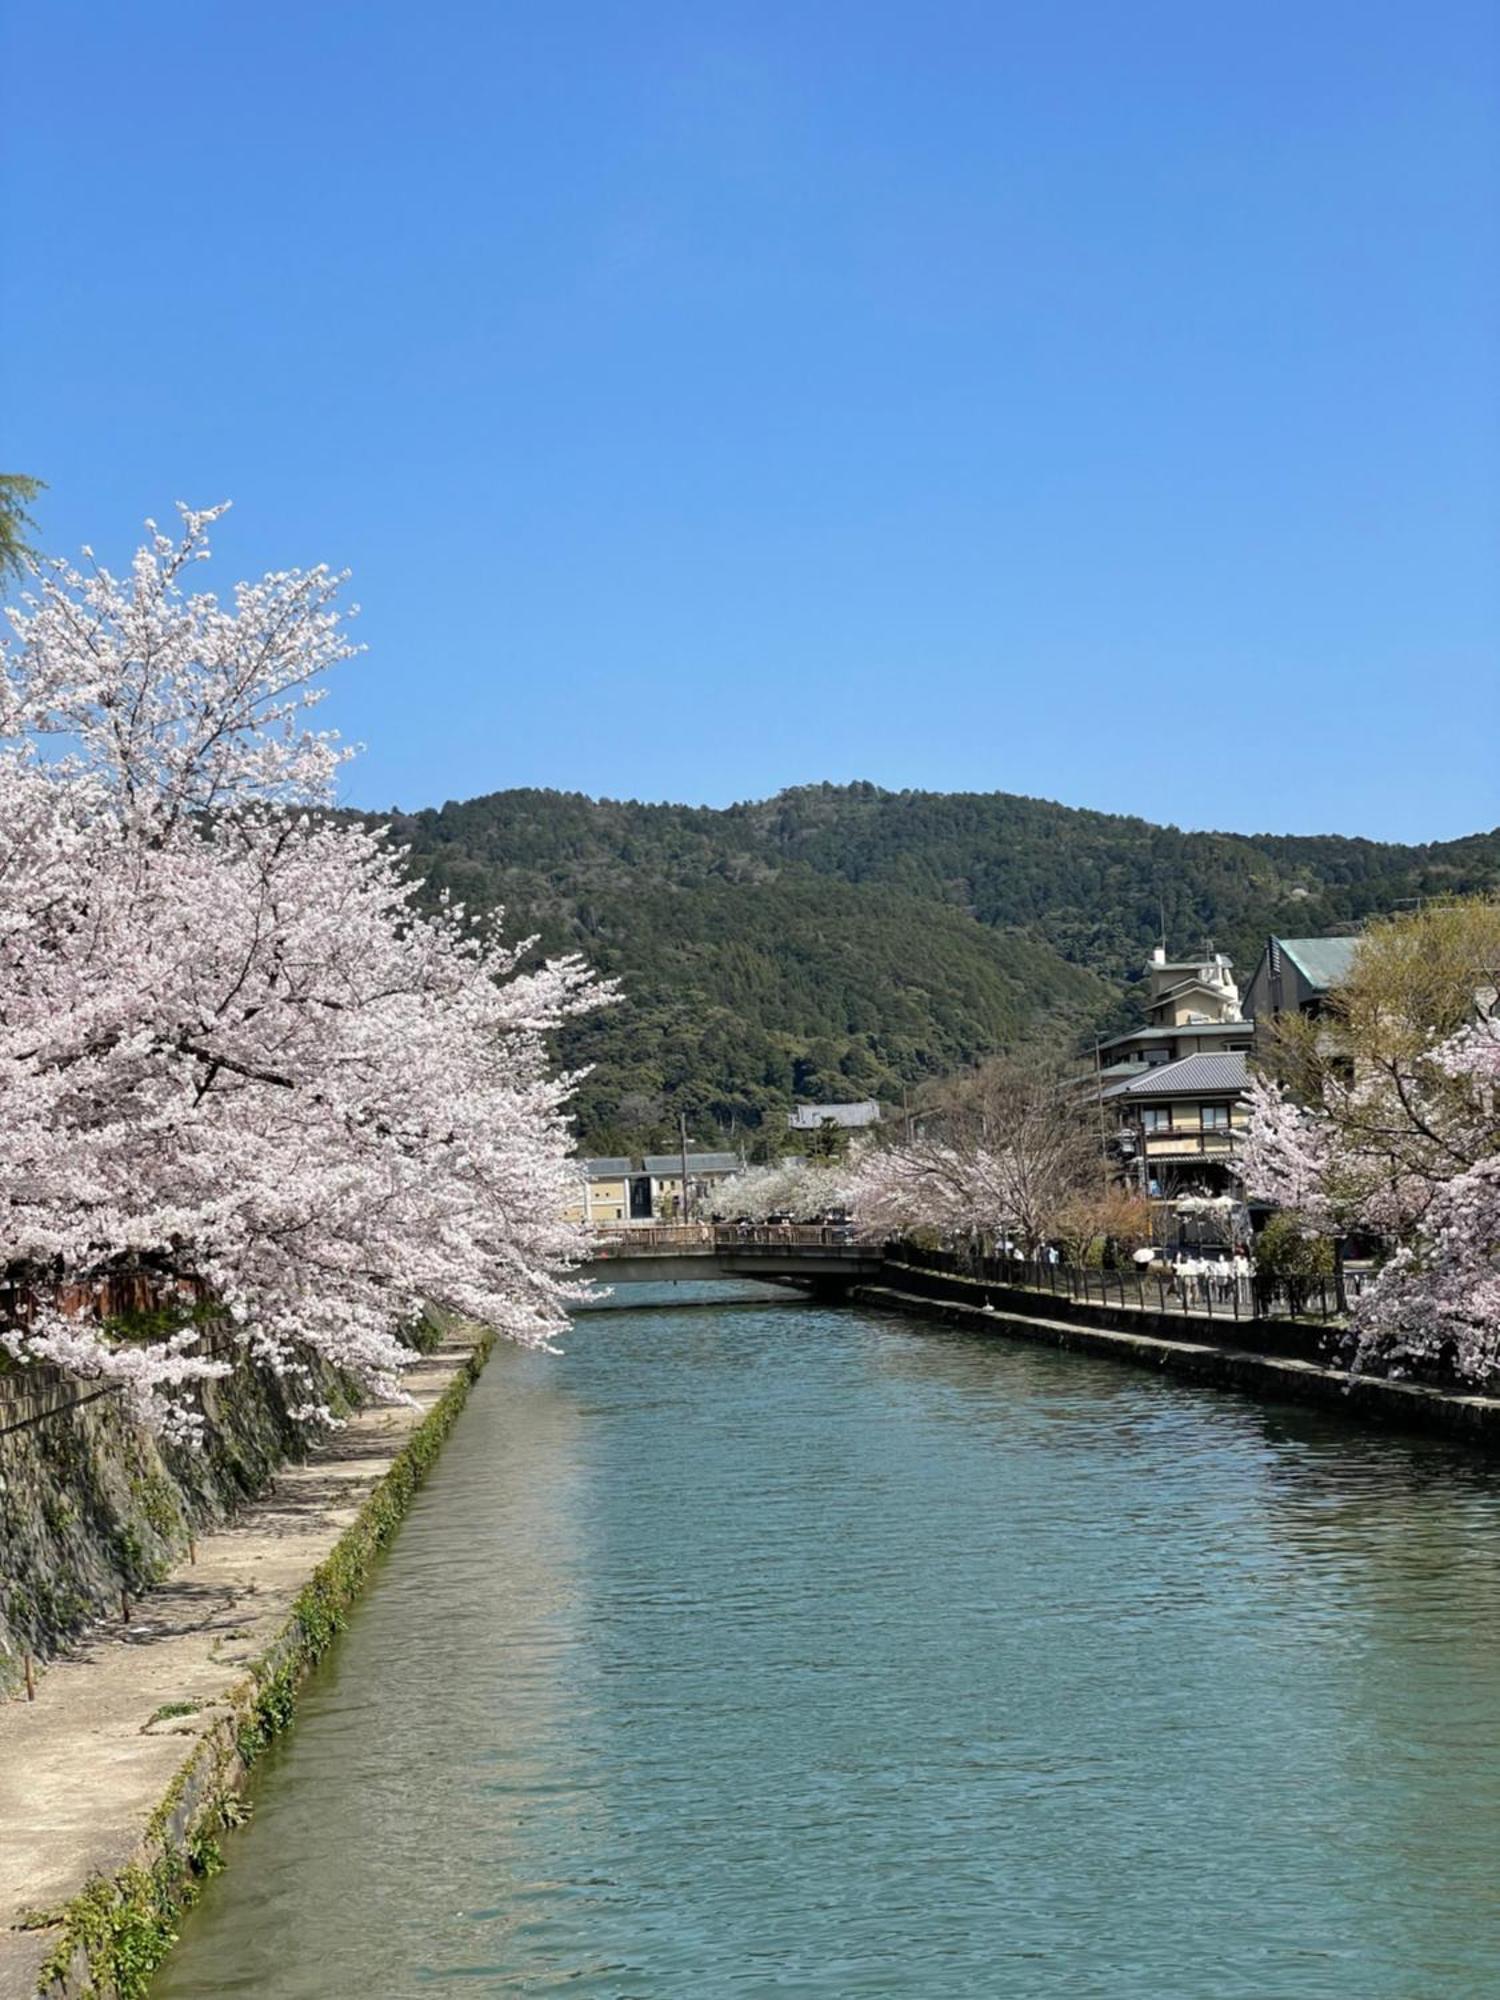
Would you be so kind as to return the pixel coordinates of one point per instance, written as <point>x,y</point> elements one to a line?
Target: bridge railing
<point>783,1235</point>
<point>653,1239</point>
<point>662,1239</point>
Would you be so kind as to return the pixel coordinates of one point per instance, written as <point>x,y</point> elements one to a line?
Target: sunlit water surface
<point>779,1650</point>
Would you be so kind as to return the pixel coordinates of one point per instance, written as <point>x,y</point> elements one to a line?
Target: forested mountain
<point>848,941</point>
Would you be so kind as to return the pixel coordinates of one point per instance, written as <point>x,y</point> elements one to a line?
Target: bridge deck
<point>669,1253</point>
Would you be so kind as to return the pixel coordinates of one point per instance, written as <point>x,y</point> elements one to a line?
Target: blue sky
<point>1086,400</point>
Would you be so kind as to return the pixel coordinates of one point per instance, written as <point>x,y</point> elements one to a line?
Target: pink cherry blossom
<point>1420,1167</point>
<point>231,1046</point>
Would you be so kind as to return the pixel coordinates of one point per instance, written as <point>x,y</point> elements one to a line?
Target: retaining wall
<point>1285,1361</point>
<point>91,1505</point>
<point>165,1834</point>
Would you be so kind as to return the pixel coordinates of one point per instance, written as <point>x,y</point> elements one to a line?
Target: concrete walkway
<point>83,1767</point>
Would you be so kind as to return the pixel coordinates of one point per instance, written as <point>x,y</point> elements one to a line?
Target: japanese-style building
<point>1173,1089</point>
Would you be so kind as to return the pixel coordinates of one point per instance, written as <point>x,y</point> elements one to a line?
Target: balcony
<point>1193,1142</point>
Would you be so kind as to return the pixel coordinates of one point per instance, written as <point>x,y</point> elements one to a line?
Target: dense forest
<point>844,941</point>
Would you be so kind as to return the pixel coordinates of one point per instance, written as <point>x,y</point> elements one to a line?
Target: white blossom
<point>803,1189</point>
<point>231,1048</point>
<point>1437,1298</point>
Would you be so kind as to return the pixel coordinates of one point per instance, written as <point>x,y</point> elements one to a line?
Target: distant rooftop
<point>1191,1076</point>
<point>809,1117</point>
<point>1322,961</point>
<point>1194,980</point>
<point>611,1169</point>
<point>1243,1028</point>
<point>663,1166</point>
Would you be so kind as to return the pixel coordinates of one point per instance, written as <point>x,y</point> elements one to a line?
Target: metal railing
<point>785,1235</point>
<point>1211,1294</point>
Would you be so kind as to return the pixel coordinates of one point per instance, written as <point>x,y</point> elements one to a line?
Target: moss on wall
<point>90,1504</point>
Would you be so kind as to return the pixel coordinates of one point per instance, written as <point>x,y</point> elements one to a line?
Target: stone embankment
<point>93,1510</point>
<point>120,1781</point>
<point>1284,1361</point>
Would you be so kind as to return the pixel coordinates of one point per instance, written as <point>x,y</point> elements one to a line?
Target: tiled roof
<point>663,1166</point>
<point>1192,1076</point>
<point>606,1170</point>
<point>1322,961</point>
<point>1194,983</point>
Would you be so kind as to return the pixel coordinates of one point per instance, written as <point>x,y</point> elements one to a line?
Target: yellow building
<point>705,1172</point>
<point>602,1193</point>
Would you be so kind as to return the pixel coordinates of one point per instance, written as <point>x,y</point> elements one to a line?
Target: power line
<point>61,1410</point>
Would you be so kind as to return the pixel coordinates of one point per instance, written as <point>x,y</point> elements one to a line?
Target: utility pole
<point>682,1133</point>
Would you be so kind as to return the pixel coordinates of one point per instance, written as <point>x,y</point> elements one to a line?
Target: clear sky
<point>1097,401</point>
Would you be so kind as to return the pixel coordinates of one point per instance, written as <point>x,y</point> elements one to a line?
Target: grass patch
<point>169,1709</point>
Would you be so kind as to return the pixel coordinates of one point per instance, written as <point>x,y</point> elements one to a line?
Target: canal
<point>780,1650</point>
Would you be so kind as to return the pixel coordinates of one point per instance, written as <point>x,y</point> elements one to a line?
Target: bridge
<point>784,1254</point>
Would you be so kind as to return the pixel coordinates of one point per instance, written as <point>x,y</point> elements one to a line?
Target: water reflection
<point>745,1653</point>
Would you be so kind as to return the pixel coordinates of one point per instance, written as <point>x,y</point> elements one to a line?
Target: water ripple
<point>798,1652</point>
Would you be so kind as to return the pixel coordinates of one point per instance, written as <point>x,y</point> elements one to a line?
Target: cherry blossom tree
<point>803,1189</point>
<point>1287,1153</point>
<point>1387,1119</point>
<point>233,1054</point>
<point>1002,1152</point>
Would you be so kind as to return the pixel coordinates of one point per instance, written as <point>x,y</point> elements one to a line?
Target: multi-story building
<point>1179,1125</point>
<point>616,1190</point>
<point>1172,1090</point>
<point>1296,975</point>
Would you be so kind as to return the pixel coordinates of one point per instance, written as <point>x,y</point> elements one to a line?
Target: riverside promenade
<point>88,1767</point>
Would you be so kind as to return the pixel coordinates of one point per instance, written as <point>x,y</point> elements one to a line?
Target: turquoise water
<point>787,1651</point>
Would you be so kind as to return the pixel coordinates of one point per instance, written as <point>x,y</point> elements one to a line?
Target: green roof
<point>1323,961</point>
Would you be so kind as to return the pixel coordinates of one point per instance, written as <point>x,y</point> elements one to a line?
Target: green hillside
<point>847,941</point>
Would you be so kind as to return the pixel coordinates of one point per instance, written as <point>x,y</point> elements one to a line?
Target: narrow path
<point>83,1767</point>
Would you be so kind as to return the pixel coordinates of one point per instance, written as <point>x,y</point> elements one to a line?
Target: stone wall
<point>1267,1358</point>
<point>90,1504</point>
<point>1299,1340</point>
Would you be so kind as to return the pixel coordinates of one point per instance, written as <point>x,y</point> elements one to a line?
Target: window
<point>1215,1117</point>
<point>1156,1118</point>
